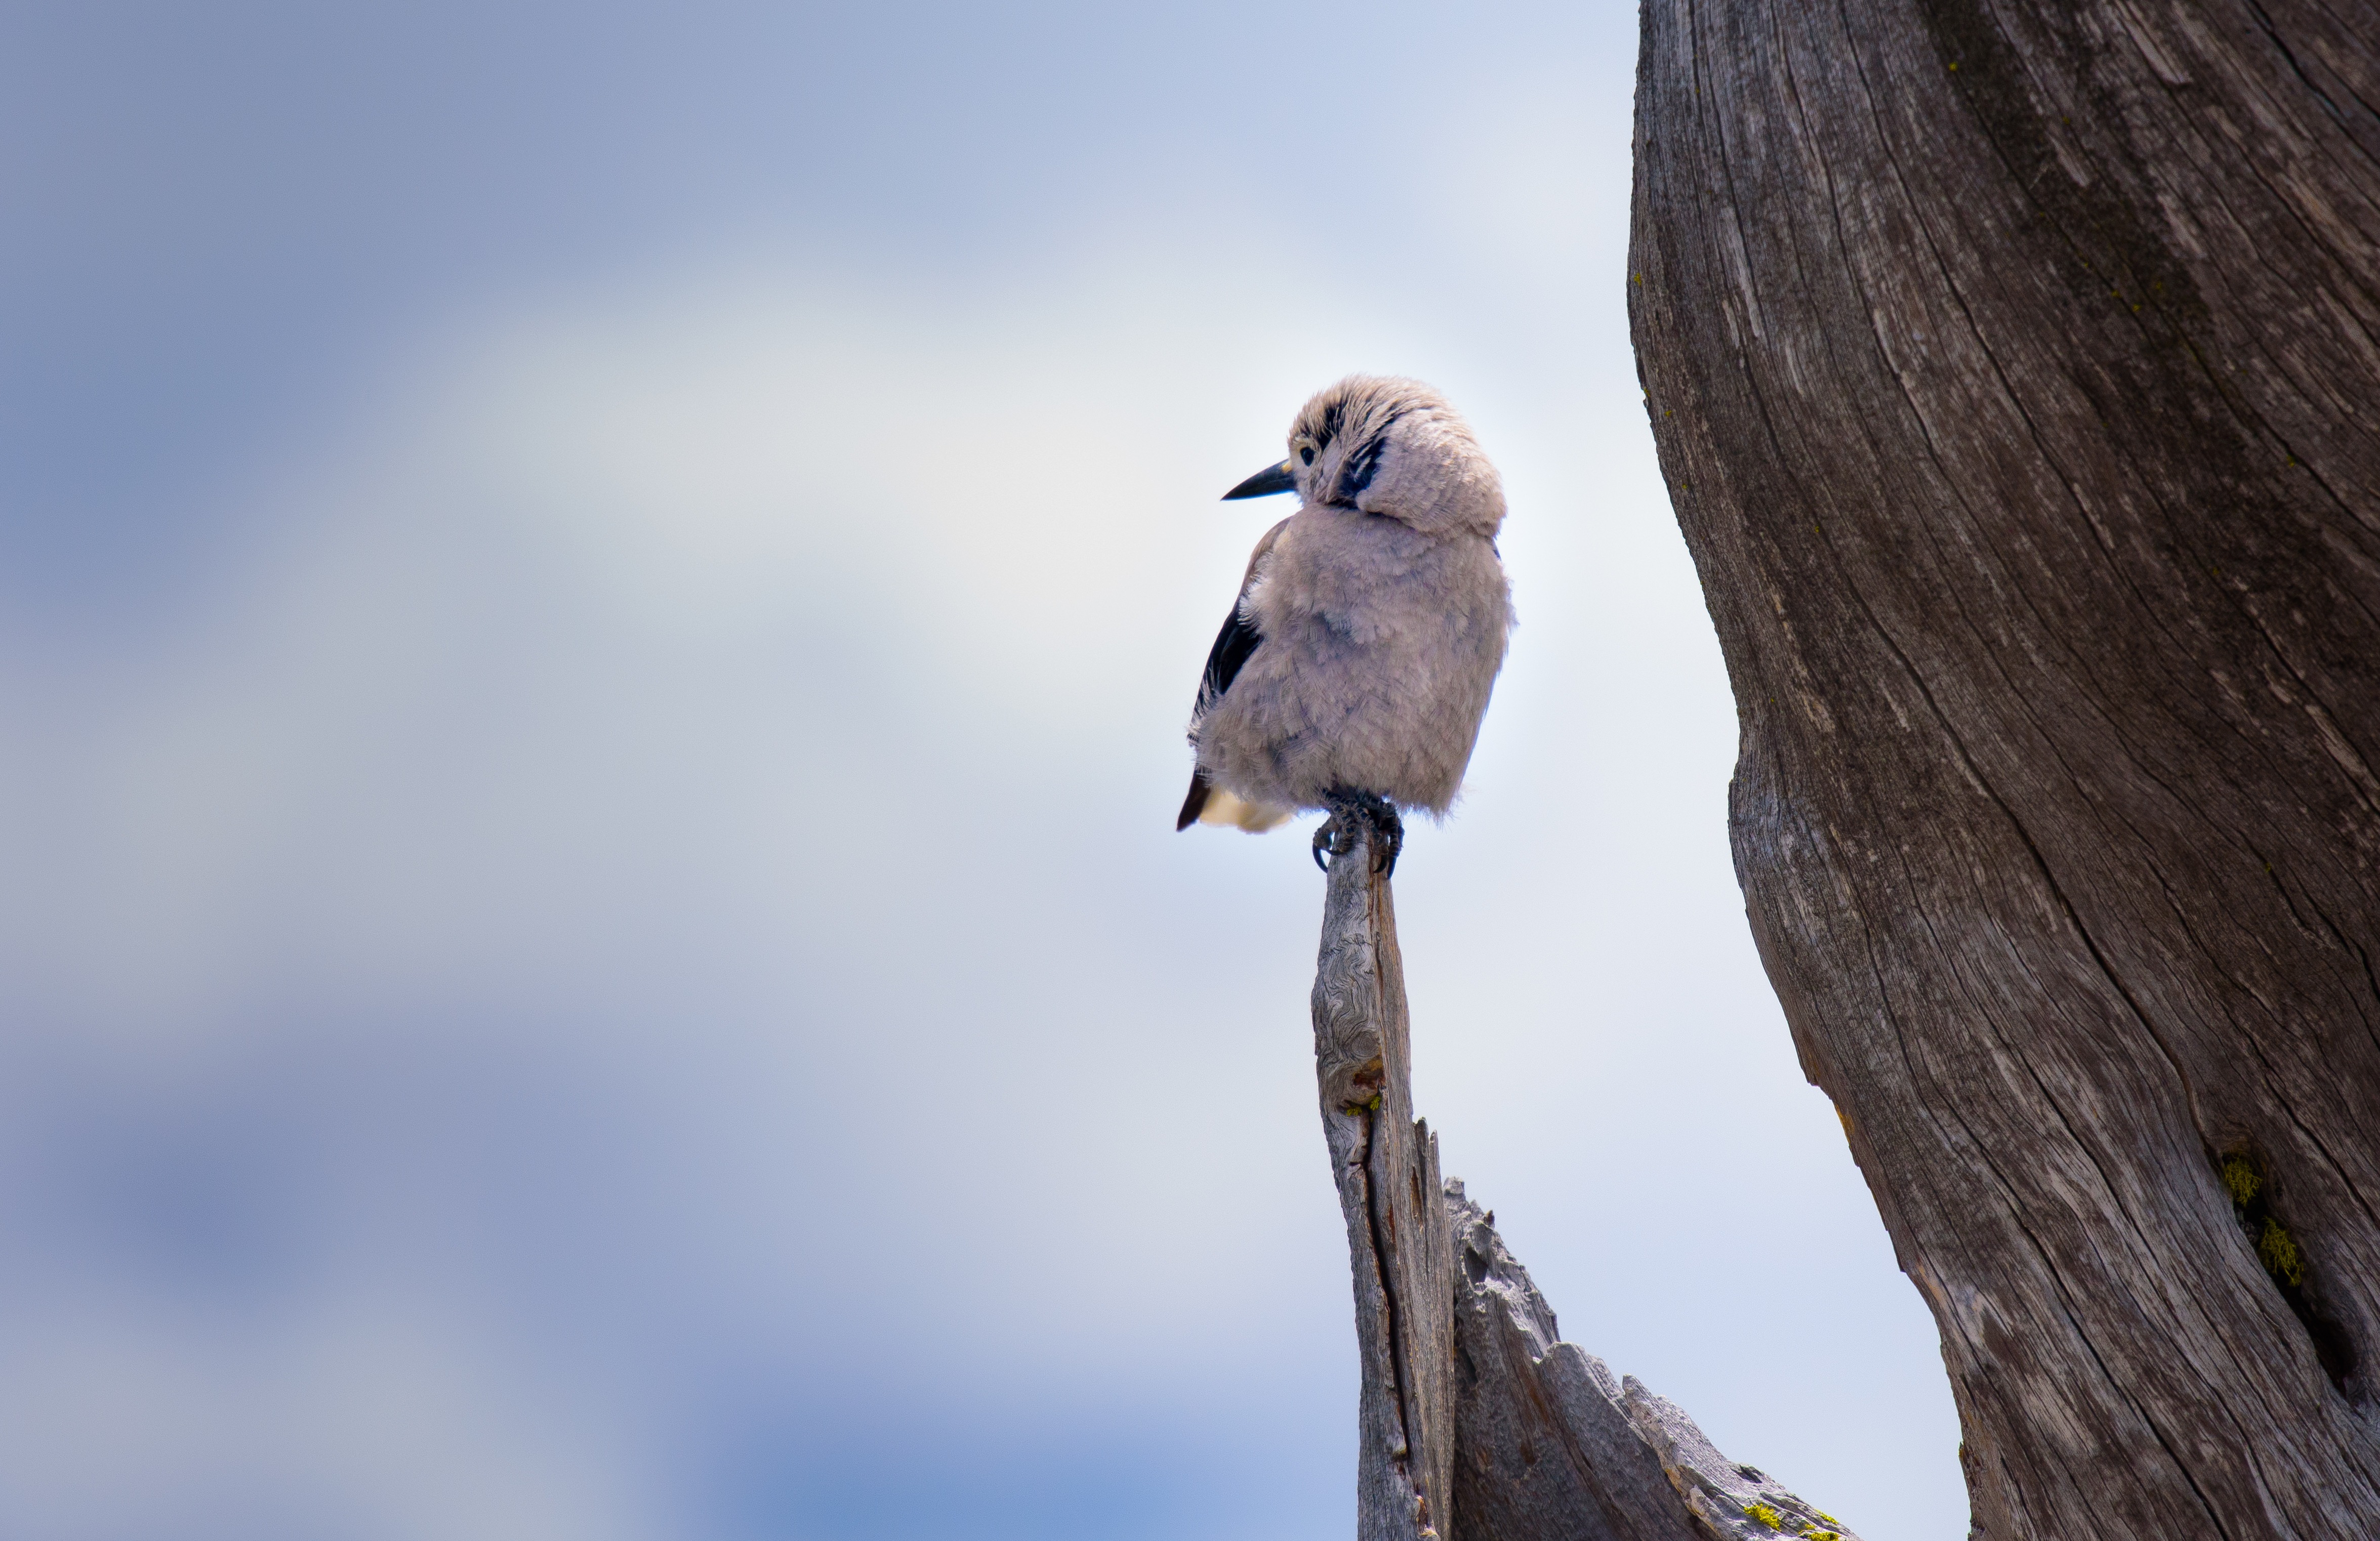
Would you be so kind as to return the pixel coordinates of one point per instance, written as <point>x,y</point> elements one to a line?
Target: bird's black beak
<point>1272,479</point>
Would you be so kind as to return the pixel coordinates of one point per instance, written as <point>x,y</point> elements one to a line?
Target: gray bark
<point>1549,1447</point>
<point>1475,1422</point>
<point>1385,1164</point>
<point>2015,370</point>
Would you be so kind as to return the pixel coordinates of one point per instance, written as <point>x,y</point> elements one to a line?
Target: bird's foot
<point>1376,814</point>
<point>1334,838</point>
<point>1387,834</point>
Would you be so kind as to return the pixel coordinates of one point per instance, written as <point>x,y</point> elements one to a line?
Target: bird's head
<point>1387,446</point>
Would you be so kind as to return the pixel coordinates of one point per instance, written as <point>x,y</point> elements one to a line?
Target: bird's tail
<point>1209,804</point>
<point>1196,804</point>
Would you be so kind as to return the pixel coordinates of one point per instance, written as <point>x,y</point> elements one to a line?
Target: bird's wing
<point>1238,639</point>
<point>1234,646</point>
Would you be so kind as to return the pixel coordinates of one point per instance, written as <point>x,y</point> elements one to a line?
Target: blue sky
<point>599,607</point>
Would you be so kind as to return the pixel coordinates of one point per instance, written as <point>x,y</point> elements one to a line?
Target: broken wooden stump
<point>1385,1164</point>
<point>1476,1422</point>
<point>1549,1445</point>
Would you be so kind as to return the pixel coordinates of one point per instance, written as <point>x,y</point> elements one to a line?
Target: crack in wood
<point>2055,633</point>
<point>1475,1422</point>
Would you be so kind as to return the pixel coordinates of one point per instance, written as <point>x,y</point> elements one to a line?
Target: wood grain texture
<point>1475,1422</point>
<point>2015,370</point>
<point>1549,1445</point>
<point>1385,1165</point>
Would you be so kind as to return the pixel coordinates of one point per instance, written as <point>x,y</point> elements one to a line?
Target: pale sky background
<point>597,607</point>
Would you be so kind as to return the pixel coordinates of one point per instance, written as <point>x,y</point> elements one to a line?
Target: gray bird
<point>1354,671</point>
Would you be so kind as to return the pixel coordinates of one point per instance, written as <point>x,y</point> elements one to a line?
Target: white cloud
<point>751,696</point>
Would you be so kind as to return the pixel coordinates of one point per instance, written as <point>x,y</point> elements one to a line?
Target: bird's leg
<point>1337,835</point>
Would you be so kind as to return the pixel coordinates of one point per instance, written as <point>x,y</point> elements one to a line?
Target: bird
<point>1356,664</point>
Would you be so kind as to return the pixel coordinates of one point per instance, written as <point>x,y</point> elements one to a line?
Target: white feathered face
<point>1341,436</point>
<point>1392,447</point>
<point>1387,446</point>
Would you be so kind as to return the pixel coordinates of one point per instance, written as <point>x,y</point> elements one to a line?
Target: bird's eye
<point>1305,452</point>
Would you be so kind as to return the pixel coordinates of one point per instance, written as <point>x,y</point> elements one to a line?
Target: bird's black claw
<point>1388,833</point>
<point>1337,835</point>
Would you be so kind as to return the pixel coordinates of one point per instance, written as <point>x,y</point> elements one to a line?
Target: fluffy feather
<point>1226,811</point>
<point>1371,623</point>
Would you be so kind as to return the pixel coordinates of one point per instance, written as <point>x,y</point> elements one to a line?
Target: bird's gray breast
<point>1373,582</point>
<point>1380,646</point>
<point>1355,577</point>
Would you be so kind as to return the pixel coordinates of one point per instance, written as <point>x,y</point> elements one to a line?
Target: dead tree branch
<point>1476,1423</point>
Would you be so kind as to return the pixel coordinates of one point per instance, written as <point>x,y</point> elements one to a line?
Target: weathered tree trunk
<point>1475,1422</point>
<point>2015,370</point>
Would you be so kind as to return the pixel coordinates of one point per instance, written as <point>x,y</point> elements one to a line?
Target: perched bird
<point>1355,667</point>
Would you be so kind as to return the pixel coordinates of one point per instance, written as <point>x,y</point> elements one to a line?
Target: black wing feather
<point>1234,647</point>
<point>1231,650</point>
